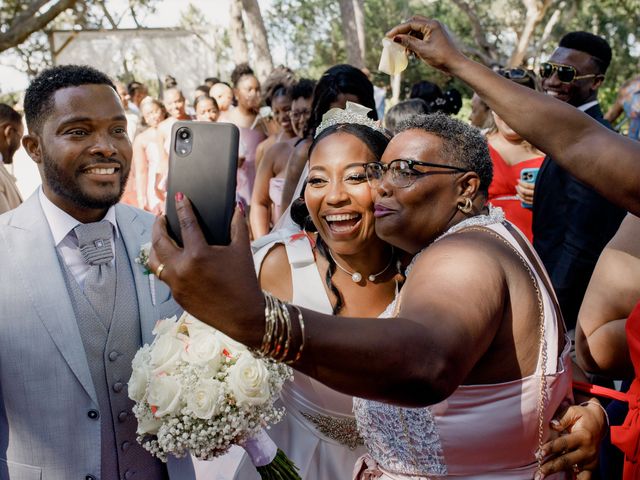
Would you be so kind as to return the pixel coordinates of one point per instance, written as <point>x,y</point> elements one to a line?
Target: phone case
<point>203,160</point>
<point>528,175</point>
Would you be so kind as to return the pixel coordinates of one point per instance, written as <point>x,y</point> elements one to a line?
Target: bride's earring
<point>467,207</point>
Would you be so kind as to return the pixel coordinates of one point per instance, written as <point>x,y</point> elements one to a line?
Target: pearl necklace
<point>357,276</point>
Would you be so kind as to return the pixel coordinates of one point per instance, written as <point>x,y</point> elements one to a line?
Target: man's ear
<point>32,144</point>
<point>597,82</point>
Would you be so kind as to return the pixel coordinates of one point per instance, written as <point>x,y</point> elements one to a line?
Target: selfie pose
<point>429,193</point>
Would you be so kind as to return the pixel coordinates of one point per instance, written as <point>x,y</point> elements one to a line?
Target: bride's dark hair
<point>376,142</point>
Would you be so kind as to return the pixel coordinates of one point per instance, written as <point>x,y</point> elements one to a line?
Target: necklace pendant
<point>372,278</point>
<point>356,277</point>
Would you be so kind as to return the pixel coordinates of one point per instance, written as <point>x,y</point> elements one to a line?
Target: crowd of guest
<point>352,207</point>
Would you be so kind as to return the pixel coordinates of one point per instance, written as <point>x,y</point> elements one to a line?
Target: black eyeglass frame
<point>555,68</point>
<point>385,167</point>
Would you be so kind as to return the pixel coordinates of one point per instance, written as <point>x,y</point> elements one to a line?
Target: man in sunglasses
<point>571,222</point>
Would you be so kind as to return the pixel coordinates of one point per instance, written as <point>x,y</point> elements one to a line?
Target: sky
<point>167,15</point>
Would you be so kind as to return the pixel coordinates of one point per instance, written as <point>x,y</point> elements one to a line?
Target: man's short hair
<point>38,100</point>
<point>591,44</point>
<point>9,115</point>
<point>462,145</point>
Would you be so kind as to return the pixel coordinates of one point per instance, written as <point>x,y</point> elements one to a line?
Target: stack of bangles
<point>278,331</point>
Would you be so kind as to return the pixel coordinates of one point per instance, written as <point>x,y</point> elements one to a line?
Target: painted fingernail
<point>179,196</point>
<point>538,476</point>
<point>397,39</point>
<point>241,207</point>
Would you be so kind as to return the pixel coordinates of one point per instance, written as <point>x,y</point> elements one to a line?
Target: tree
<point>237,35</point>
<point>20,19</point>
<point>262,54</point>
<point>354,42</point>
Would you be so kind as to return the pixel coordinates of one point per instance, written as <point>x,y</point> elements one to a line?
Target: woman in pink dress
<point>244,116</point>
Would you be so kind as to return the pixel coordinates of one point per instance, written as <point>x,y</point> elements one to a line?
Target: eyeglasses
<point>403,172</point>
<point>566,73</point>
<point>296,114</point>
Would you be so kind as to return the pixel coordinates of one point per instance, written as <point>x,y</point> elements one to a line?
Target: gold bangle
<point>301,324</point>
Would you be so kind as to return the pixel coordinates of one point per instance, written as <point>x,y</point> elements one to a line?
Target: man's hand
<point>429,40</point>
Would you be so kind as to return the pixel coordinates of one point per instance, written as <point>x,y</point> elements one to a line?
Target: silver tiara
<point>352,113</point>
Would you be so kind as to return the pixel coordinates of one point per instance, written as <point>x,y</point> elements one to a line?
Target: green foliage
<point>309,31</point>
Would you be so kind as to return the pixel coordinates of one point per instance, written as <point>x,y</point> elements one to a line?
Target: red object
<point>627,436</point>
<point>502,191</point>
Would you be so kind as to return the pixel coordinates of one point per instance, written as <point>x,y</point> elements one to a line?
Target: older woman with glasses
<point>464,371</point>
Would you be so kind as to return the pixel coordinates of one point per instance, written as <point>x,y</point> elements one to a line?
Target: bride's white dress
<point>319,430</point>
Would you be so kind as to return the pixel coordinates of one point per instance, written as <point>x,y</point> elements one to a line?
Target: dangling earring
<point>467,207</point>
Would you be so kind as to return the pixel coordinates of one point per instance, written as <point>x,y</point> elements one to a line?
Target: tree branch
<point>478,31</point>
<point>27,22</point>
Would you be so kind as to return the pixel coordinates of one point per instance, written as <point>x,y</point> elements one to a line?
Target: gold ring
<point>159,270</point>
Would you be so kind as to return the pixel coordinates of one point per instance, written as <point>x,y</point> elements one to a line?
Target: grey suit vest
<point>109,352</point>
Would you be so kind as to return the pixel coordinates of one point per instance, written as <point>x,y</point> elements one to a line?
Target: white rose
<point>204,349</point>
<point>138,382</point>
<point>164,395</point>
<point>168,326</point>
<point>234,348</point>
<point>165,353</point>
<point>148,424</point>
<point>248,380</point>
<point>202,401</point>
<point>195,326</point>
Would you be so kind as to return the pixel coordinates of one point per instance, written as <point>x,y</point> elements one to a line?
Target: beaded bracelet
<point>595,402</point>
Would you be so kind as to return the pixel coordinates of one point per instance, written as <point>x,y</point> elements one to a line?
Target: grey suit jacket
<point>46,389</point>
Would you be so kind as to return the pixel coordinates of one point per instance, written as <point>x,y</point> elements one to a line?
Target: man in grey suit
<point>74,306</point>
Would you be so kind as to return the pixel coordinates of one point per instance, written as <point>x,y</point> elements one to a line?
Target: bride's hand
<point>216,284</point>
<point>581,428</point>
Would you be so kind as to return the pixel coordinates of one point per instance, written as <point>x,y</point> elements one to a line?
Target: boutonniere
<point>143,257</point>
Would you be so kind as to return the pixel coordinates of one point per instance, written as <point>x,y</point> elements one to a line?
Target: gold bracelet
<point>301,323</point>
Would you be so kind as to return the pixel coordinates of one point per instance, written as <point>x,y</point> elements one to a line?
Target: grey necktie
<point>94,240</point>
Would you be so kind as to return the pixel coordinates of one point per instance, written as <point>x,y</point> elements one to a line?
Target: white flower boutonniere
<point>143,257</point>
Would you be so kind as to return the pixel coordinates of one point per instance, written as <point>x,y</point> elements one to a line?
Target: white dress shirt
<point>61,225</point>
<point>587,105</point>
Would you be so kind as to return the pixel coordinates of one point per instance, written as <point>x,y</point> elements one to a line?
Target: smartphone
<point>528,175</point>
<point>203,160</point>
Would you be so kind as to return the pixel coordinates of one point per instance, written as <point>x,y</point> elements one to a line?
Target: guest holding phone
<point>514,161</point>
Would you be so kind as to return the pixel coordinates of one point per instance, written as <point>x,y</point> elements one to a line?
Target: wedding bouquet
<point>198,391</point>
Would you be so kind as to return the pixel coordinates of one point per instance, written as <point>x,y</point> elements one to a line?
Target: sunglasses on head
<point>513,73</point>
<point>566,73</point>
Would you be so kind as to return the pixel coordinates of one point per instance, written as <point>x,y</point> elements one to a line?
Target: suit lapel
<point>136,233</point>
<point>38,268</point>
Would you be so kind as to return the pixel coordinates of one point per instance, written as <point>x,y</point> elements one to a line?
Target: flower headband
<point>352,113</point>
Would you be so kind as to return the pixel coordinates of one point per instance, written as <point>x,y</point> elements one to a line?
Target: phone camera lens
<point>184,134</point>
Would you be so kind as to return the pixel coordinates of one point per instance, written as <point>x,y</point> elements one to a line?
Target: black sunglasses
<point>566,73</point>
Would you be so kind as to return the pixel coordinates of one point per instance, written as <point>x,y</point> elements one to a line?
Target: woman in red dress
<point>510,154</point>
